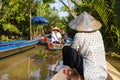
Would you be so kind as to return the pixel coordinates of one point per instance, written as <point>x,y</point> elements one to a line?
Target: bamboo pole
<point>30,26</point>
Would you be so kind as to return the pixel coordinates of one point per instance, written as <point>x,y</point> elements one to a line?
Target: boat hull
<point>53,46</point>
<point>44,40</point>
<point>18,49</point>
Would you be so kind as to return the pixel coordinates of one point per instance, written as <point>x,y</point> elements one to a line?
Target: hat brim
<point>85,22</point>
<point>56,28</point>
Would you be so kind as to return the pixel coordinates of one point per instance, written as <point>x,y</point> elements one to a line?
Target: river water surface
<point>20,66</point>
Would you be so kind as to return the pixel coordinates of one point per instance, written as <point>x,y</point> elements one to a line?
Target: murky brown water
<point>20,67</point>
<point>114,62</point>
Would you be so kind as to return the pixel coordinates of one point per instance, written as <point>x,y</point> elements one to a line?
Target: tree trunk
<point>71,11</point>
<point>69,7</point>
<point>30,26</point>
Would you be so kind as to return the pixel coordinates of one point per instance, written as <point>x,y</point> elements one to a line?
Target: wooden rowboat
<point>44,40</point>
<point>16,47</point>
<point>53,46</point>
<point>115,74</point>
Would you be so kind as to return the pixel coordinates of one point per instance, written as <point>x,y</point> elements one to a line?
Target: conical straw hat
<point>85,22</point>
<point>56,28</point>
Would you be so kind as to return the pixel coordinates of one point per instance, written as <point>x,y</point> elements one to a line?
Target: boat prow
<point>115,74</point>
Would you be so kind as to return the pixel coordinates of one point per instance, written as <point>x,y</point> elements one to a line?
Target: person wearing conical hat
<point>56,28</point>
<point>56,35</point>
<point>88,43</point>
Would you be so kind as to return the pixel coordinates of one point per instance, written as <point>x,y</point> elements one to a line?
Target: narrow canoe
<point>8,50</point>
<point>11,42</point>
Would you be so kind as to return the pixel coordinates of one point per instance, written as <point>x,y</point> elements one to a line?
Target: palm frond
<point>102,10</point>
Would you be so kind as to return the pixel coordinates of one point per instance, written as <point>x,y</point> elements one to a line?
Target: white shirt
<point>91,47</point>
<point>55,37</point>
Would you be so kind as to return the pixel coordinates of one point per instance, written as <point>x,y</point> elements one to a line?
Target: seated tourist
<point>56,36</point>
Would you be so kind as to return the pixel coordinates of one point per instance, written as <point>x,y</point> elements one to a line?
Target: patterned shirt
<point>55,37</point>
<point>91,47</point>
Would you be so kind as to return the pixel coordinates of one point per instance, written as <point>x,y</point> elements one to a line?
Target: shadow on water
<point>21,67</point>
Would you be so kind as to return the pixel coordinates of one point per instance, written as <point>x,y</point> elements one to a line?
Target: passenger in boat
<point>64,36</point>
<point>56,36</point>
<point>88,45</point>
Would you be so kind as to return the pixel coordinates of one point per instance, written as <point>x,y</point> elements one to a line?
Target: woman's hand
<point>72,74</point>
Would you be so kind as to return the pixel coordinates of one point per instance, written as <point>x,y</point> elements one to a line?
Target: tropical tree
<point>103,10</point>
<point>15,13</point>
<point>18,14</point>
<point>43,9</point>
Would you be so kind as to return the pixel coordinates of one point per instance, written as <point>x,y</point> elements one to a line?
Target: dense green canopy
<point>15,17</point>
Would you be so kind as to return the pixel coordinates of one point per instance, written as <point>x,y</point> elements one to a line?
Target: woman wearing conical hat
<point>56,35</point>
<point>88,43</point>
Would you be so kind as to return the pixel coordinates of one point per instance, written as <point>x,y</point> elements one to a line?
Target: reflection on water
<point>56,67</point>
<point>5,77</point>
<point>20,67</point>
<point>35,74</point>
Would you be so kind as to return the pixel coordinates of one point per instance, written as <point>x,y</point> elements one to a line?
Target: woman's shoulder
<point>79,34</point>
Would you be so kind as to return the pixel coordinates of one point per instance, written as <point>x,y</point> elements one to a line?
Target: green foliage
<point>105,11</point>
<point>114,55</point>
<point>4,38</point>
<point>42,55</point>
<point>17,13</point>
<point>48,1</point>
<point>116,36</point>
<point>117,12</point>
<point>11,28</point>
<point>50,14</point>
<point>12,11</point>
